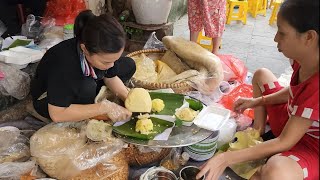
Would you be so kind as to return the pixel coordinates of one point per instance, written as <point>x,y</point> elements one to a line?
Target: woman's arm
<point>117,87</point>
<point>294,130</point>
<point>279,97</point>
<point>75,112</point>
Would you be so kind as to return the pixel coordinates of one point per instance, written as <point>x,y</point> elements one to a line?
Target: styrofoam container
<point>12,57</point>
<point>212,118</point>
<point>36,55</point>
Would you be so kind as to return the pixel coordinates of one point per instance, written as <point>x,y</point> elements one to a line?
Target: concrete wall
<point>178,9</point>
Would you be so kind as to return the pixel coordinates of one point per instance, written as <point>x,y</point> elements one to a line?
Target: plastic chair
<point>241,14</point>
<point>275,10</point>
<point>205,41</point>
<point>258,7</point>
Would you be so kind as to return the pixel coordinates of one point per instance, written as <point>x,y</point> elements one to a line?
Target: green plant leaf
<point>195,104</point>
<point>171,102</point>
<point>128,129</point>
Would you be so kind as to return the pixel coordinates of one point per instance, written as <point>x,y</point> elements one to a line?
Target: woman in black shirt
<point>68,77</point>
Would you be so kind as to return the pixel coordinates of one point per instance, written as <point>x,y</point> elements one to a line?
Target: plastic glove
<point>114,111</point>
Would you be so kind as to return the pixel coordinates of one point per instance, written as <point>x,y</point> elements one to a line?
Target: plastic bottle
<point>68,31</point>
<point>124,15</point>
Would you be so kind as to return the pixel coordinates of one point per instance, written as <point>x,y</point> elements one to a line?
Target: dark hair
<point>303,15</point>
<point>100,34</point>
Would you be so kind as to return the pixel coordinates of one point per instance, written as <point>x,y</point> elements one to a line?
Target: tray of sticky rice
<point>185,66</point>
<point>81,150</point>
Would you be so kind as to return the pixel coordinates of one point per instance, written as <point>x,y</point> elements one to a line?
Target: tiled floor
<point>253,43</point>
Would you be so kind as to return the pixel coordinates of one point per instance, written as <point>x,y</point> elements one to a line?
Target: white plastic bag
<point>227,132</point>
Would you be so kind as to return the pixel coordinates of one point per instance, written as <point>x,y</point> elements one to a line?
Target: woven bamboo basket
<point>155,54</point>
<point>136,158</point>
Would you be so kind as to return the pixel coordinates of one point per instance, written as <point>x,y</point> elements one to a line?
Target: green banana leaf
<point>128,129</point>
<point>195,104</point>
<point>171,102</point>
<point>19,42</point>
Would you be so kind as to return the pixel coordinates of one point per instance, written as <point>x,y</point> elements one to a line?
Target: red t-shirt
<point>304,99</point>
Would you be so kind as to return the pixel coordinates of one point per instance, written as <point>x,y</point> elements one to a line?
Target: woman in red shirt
<point>293,112</point>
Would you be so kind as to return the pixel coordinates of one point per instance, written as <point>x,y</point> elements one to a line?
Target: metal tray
<point>179,137</point>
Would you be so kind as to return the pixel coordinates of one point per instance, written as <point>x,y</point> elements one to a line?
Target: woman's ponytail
<point>80,23</point>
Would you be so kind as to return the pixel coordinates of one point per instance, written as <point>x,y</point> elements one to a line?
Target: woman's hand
<point>244,103</point>
<point>114,111</point>
<point>214,167</point>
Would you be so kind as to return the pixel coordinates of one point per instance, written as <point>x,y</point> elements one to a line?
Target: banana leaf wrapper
<point>128,129</point>
<point>171,102</point>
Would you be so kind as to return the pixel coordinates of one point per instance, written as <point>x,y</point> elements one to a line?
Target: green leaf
<point>18,42</point>
<point>178,122</point>
<point>195,104</point>
<point>128,129</point>
<point>171,102</point>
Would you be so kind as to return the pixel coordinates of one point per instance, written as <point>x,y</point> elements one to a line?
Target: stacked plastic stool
<point>258,7</point>
<point>276,6</point>
<point>237,15</point>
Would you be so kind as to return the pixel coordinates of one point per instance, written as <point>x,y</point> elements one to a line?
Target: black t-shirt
<point>59,74</point>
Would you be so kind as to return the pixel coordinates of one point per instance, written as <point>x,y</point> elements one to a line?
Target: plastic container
<point>212,118</point>
<point>68,31</point>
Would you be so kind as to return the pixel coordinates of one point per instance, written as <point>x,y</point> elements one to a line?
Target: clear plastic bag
<point>146,69</point>
<point>234,69</point>
<point>36,26</point>
<point>13,145</point>
<point>245,139</point>
<point>15,83</point>
<point>14,170</point>
<point>58,147</point>
<point>227,132</point>
<point>154,43</point>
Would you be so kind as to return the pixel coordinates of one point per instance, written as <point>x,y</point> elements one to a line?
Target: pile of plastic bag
<point>15,155</point>
<point>64,151</point>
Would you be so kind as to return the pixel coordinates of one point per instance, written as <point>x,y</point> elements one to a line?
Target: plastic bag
<point>243,90</point>
<point>245,139</point>
<point>13,145</point>
<point>14,170</point>
<point>58,147</point>
<point>243,122</point>
<point>234,69</point>
<point>172,162</point>
<point>35,26</point>
<point>146,69</point>
<point>154,43</point>
<point>227,132</point>
<point>15,83</point>
<point>64,11</point>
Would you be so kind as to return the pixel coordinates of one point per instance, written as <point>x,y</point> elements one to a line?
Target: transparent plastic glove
<point>114,111</point>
